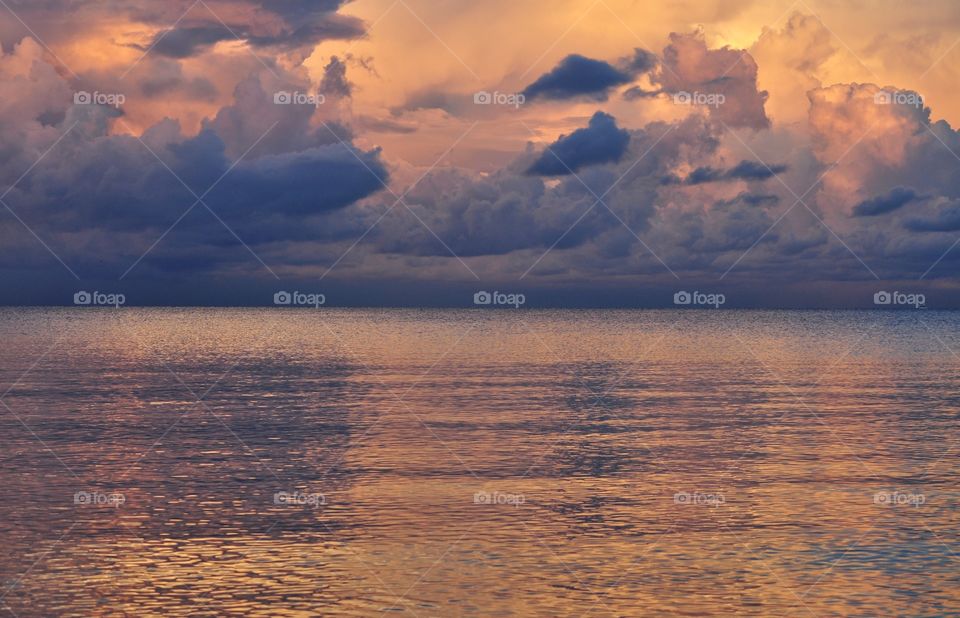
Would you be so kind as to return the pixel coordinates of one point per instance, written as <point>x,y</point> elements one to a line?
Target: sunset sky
<point>604,152</point>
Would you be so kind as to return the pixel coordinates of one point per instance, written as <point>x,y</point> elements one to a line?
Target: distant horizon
<point>474,308</point>
<point>850,295</point>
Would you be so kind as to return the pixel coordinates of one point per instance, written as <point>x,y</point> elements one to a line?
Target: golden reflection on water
<point>481,463</point>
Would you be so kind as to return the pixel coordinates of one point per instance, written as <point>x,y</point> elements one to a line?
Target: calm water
<point>479,463</point>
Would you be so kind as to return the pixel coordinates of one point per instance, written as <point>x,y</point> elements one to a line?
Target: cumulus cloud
<point>511,213</point>
<point>879,145</point>
<point>690,66</point>
<point>600,142</point>
<point>795,60</point>
<point>95,186</point>
<point>700,208</point>
<point>293,182</point>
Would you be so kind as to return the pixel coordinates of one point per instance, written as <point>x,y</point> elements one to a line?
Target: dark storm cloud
<point>117,184</point>
<point>102,199</point>
<point>945,219</point>
<point>187,42</point>
<point>315,180</point>
<point>745,170</point>
<point>323,27</point>
<point>335,82</point>
<point>600,142</point>
<point>578,76</point>
<point>753,170</point>
<point>280,24</point>
<point>897,198</point>
<point>751,199</point>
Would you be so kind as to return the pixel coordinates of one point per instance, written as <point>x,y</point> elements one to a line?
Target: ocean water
<point>213,462</point>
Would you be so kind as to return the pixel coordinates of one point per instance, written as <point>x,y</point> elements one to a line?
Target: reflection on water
<point>488,463</point>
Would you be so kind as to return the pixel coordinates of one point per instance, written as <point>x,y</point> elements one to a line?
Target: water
<point>486,463</point>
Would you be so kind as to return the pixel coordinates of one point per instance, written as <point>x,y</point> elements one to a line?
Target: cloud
<point>167,79</point>
<point>281,24</point>
<point>893,145</point>
<point>102,199</point>
<point>636,92</point>
<point>432,98</point>
<point>795,60</point>
<point>745,170</point>
<point>384,125</point>
<point>510,213</point>
<point>187,42</point>
<point>751,199</point>
<point>307,182</point>
<point>897,198</point>
<point>254,118</point>
<point>689,66</point>
<point>945,219</point>
<point>600,142</point>
<point>335,82</point>
<point>678,182</point>
<point>642,61</point>
<point>579,76</point>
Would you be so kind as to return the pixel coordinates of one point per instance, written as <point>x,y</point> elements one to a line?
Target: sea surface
<point>301,462</point>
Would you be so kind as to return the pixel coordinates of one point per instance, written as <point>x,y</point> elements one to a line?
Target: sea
<point>483,462</point>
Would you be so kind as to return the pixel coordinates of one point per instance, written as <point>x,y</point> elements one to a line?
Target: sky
<point>407,152</point>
